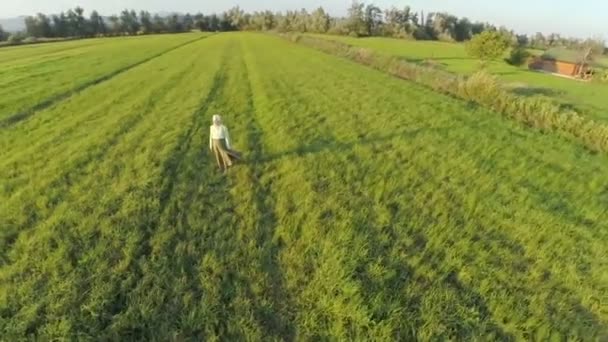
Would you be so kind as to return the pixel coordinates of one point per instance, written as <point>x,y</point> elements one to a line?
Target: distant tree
<point>268,20</point>
<point>236,18</point>
<point>38,26</point>
<point>145,20</point>
<point>45,26</point>
<point>286,22</point>
<point>72,23</point>
<point>60,25</point>
<point>97,26</point>
<point>372,20</point>
<point>201,22</point>
<point>538,41</point>
<point>188,22</point>
<point>522,40</point>
<point>518,56</point>
<point>215,23</point>
<point>129,22</point>
<point>158,24</point>
<point>356,19</point>
<point>592,48</point>
<point>463,30</point>
<point>442,26</point>
<point>262,21</point>
<point>487,46</point>
<point>174,24</point>
<point>135,24</point>
<point>596,46</point>
<point>300,21</point>
<point>15,38</point>
<point>254,21</point>
<point>31,27</point>
<point>116,26</point>
<point>225,23</point>
<point>319,21</point>
<point>80,23</point>
<point>477,28</point>
<point>3,34</point>
<point>509,35</point>
<point>400,23</point>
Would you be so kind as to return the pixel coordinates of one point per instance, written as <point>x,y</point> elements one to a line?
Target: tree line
<point>362,20</point>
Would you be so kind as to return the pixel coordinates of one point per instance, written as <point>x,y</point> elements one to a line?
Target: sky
<point>580,18</point>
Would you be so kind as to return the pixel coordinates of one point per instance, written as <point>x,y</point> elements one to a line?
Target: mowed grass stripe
<point>12,54</point>
<point>216,230</point>
<point>200,228</point>
<point>56,94</point>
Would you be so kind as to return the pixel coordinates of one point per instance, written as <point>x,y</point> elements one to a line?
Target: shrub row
<point>481,88</point>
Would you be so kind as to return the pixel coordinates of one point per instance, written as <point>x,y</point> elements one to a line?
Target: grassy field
<point>33,77</point>
<point>589,98</point>
<point>368,208</point>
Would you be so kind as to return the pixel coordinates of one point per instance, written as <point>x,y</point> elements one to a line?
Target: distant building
<point>563,62</point>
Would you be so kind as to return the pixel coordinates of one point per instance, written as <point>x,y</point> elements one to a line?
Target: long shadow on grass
<point>338,147</point>
<point>536,91</point>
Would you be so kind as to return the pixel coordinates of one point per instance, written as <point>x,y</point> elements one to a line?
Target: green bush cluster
<point>518,56</point>
<point>603,76</point>
<point>15,39</point>
<point>481,88</point>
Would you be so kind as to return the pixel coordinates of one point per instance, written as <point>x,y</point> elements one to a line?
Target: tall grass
<point>480,88</point>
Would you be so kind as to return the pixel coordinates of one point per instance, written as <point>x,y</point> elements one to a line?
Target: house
<point>563,62</point>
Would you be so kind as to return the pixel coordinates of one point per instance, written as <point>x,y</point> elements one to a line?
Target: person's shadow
<point>332,145</point>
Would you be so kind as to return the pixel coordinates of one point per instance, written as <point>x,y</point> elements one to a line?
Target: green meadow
<point>367,207</point>
<point>588,98</point>
<point>36,76</point>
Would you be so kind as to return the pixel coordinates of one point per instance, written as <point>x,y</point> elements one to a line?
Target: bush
<point>487,46</point>
<point>15,39</point>
<point>519,56</point>
<point>30,40</point>
<point>296,37</point>
<point>602,75</point>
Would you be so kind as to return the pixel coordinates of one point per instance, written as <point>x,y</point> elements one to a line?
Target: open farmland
<point>368,208</point>
<point>588,98</point>
<point>36,76</point>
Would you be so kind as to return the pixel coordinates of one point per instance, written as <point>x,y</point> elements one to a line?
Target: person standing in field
<point>219,143</point>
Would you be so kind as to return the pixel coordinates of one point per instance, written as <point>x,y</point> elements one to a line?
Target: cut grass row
<point>588,98</point>
<point>30,83</point>
<point>369,208</point>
